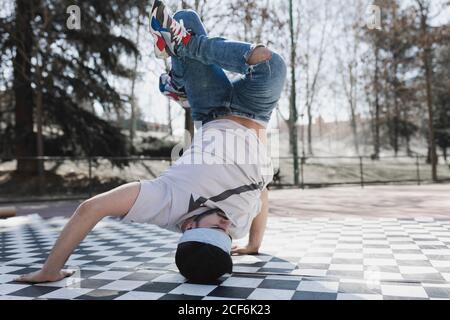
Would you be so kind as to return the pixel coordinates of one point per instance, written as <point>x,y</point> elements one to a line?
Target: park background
<point>367,100</point>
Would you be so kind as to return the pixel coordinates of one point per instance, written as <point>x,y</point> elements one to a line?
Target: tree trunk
<point>377,105</point>
<point>23,40</point>
<point>293,114</point>
<point>310,151</point>
<point>396,109</point>
<point>426,57</point>
<point>133,85</point>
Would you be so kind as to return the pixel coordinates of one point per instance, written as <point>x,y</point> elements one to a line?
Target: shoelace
<point>178,30</point>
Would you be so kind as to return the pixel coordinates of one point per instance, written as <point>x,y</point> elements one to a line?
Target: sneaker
<point>168,32</point>
<point>169,90</point>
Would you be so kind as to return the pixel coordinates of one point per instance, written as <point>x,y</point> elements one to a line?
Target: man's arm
<point>257,229</point>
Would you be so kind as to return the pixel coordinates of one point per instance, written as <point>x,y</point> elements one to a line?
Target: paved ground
<point>370,202</point>
<point>389,242</point>
<point>337,202</point>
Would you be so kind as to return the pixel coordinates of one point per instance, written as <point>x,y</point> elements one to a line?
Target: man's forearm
<point>259,223</point>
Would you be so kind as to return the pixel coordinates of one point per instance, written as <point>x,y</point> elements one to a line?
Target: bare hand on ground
<point>237,250</point>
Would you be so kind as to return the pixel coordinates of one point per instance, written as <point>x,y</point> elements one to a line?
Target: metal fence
<point>77,178</point>
<point>363,170</point>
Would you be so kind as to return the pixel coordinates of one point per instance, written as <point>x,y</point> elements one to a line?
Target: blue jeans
<point>199,68</point>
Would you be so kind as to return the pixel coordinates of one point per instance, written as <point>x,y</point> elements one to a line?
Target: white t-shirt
<point>226,167</point>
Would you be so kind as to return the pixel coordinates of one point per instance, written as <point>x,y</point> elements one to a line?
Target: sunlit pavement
<point>388,242</point>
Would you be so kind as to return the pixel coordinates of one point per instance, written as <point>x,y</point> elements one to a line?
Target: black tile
<point>254,264</point>
<point>91,283</point>
<point>91,257</point>
<point>305,295</point>
<point>86,273</point>
<point>101,294</point>
<point>231,292</point>
<point>279,284</point>
<point>142,276</point>
<point>438,292</point>
<point>33,291</point>
<point>180,297</point>
<point>158,287</point>
<point>25,270</point>
<point>276,270</point>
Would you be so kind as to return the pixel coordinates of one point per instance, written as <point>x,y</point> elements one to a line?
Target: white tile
<point>417,270</point>
<point>8,288</point>
<point>107,253</point>
<point>348,256</point>
<point>123,285</point>
<point>7,277</point>
<point>318,286</point>
<point>357,296</point>
<point>280,277</point>
<point>171,278</point>
<point>410,257</point>
<point>280,265</point>
<point>271,294</point>
<point>15,298</point>
<point>111,275</point>
<point>151,254</point>
<point>114,258</point>
<point>318,260</point>
<point>99,248</point>
<point>23,255</point>
<point>440,263</point>
<point>310,272</point>
<point>77,262</point>
<point>66,293</point>
<point>403,291</point>
<point>382,275</point>
<point>8,269</point>
<point>24,261</point>
<point>124,264</point>
<point>436,252</point>
<point>349,246</point>
<point>405,247</point>
<point>380,262</point>
<point>137,295</point>
<point>162,260</point>
<point>245,269</point>
<point>347,267</point>
<point>139,249</point>
<point>242,282</point>
<point>377,251</point>
<point>321,250</point>
<point>193,289</point>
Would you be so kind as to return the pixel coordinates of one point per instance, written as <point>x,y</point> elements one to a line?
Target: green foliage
<point>73,68</point>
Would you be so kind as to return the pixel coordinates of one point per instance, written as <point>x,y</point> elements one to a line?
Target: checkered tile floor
<point>301,259</point>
